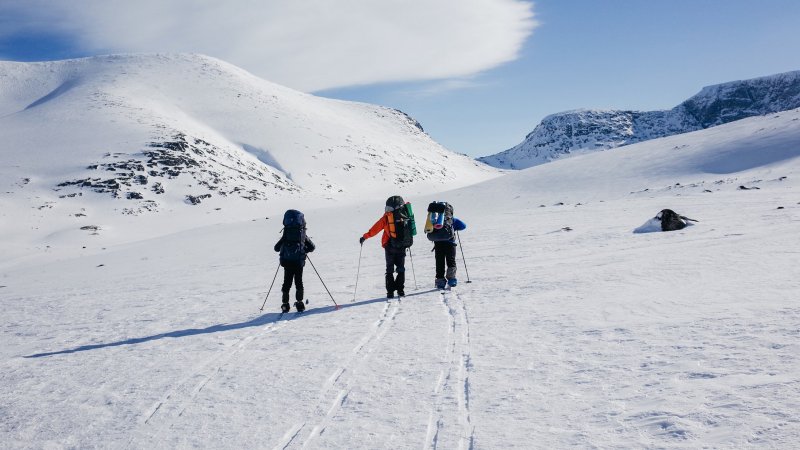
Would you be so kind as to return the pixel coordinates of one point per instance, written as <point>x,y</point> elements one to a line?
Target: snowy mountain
<point>581,131</point>
<point>196,139</point>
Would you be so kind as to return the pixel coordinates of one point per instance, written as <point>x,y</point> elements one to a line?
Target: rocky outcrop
<point>205,168</point>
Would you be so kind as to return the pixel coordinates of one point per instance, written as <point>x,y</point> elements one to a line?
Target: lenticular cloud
<point>305,44</point>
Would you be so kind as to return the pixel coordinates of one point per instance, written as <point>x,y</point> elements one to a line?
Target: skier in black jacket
<point>293,259</point>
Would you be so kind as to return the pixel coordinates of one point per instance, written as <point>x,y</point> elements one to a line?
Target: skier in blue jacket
<point>445,252</point>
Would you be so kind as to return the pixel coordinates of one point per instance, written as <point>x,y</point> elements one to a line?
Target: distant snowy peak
<point>586,130</point>
<point>579,131</point>
<point>723,103</point>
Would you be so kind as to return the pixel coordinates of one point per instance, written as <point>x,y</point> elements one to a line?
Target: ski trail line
<point>436,419</point>
<point>326,407</point>
<point>468,437</point>
<point>455,378</point>
<point>173,404</point>
<point>288,437</point>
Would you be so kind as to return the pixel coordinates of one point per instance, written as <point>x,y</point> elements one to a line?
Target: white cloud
<point>305,44</point>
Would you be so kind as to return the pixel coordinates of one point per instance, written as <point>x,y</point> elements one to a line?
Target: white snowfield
<point>575,332</point>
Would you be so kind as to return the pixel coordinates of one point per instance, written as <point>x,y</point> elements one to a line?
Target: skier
<point>399,229</point>
<point>440,227</point>
<point>293,246</point>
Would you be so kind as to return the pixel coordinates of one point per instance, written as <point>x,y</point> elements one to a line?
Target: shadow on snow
<point>258,321</point>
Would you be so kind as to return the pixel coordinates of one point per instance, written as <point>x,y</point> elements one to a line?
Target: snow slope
<point>588,130</point>
<point>192,138</point>
<point>575,332</point>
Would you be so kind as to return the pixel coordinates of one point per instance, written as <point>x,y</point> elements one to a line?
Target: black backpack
<point>401,223</point>
<point>293,248</point>
<point>670,220</point>
<point>443,211</point>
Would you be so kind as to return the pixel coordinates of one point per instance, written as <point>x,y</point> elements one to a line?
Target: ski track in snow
<point>341,381</point>
<point>175,402</point>
<point>454,380</point>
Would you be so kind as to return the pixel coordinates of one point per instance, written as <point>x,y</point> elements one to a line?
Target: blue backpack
<point>293,248</point>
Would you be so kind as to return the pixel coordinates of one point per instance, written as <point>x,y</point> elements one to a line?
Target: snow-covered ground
<point>575,332</point>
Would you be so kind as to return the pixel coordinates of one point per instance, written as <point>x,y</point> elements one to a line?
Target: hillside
<point>576,132</point>
<point>97,142</point>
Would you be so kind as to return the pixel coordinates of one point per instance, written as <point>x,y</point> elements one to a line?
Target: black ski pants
<point>395,262</point>
<point>292,271</point>
<point>445,252</point>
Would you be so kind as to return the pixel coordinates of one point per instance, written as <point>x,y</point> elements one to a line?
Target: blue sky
<point>478,74</point>
<point>625,54</point>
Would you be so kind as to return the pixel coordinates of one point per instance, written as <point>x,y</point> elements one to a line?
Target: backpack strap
<point>392,226</point>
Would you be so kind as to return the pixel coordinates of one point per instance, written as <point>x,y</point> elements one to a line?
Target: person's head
<point>394,202</point>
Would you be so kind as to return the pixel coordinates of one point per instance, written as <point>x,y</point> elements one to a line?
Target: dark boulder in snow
<point>665,220</point>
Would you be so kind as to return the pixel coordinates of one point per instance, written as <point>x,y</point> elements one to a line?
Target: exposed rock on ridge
<point>570,132</point>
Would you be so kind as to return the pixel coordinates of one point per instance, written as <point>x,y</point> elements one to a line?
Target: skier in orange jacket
<point>397,237</point>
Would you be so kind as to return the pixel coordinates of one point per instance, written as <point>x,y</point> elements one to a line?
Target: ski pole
<point>358,272</point>
<point>462,256</point>
<point>323,283</point>
<point>270,287</point>
<point>416,286</point>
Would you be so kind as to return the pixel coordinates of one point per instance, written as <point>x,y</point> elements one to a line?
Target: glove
<point>361,240</point>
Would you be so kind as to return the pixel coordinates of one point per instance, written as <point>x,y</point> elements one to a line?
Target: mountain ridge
<point>585,130</point>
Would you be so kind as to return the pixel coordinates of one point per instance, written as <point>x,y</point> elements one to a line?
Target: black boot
<point>300,306</point>
<point>285,303</point>
<point>390,285</point>
<point>399,284</point>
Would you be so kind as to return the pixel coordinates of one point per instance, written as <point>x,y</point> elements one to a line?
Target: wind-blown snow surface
<point>195,139</point>
<point>575,332</point>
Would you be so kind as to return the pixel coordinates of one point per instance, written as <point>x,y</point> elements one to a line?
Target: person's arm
<point>377,228</point>
<point>309,246</point>
<point>279,244</point>
<point>458,225</point>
